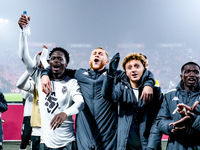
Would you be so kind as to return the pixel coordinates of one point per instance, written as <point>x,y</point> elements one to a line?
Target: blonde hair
<point>104,50</point>
<point>134,56</point>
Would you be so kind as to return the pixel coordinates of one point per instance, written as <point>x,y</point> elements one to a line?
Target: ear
<point>66,64</point>
<point>107,62</point>
<point>181,75</point>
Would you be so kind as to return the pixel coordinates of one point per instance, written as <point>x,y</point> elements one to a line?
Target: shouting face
<point>190,76</point>
<point>134,71</point>
<point>58,64</point>
<point>98,59</point>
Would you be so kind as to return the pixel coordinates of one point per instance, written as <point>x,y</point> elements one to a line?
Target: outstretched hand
<point>58,120</point>
<point>188,108</point>
<point>114,64</point>
<point>23,20</point>
<point>183,108</point>
<point>182,122</point>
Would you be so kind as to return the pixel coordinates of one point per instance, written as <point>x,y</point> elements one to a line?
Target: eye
<point>52,58</point>
<point>137,66</point>
<point>196,72</point>
<point>129,67</point>
<point>187,71</point>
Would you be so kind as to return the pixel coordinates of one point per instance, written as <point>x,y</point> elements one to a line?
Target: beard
<point>99,66</point>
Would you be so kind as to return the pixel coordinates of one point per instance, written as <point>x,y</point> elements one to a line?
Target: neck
<point>58,76</point>
<point>133,84</point>
<point>188,89</point>
<point>98,69</point>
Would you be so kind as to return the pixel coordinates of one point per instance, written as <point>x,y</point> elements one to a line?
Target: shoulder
<point>171,91</point>
<point>80,71</point>
<point>1,94</point>
<point>71,81</point>
<point>172,95</point>
<point>156,88</point>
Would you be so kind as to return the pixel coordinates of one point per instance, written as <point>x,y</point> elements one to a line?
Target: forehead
<point>57,53</point>
<point>134,62</point>
<point>98,51</point>
<point>191,67</point>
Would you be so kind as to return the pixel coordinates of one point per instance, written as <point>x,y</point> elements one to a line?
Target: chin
<point>55,72</point>
<point>95,67</point>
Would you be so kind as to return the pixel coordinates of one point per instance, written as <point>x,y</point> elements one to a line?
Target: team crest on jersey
<point>64,89</point>
<point>175,99</point>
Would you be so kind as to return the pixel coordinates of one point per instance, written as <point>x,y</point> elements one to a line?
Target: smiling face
<point>134,70</point>
<point>58,64</point>
<point>98,59</point>
<point>190,76</point>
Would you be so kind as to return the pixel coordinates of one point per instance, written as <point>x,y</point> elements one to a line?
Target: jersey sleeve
<point>25,82</point>
<point>24,53</point>
<point>77,98</point>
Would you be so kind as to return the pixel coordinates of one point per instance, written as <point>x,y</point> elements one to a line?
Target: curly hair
<point>134,56</point>
<point>61,50</point>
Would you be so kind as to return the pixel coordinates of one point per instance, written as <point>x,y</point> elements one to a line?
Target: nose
<point>96,55</point>
<point>56,59</point>
<point>133,69</point>
<point>192,73</point>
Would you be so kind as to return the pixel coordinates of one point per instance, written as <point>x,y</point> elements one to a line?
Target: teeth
<point>191,79</point>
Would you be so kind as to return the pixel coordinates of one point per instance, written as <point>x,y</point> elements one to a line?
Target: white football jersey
<point>60,100</point>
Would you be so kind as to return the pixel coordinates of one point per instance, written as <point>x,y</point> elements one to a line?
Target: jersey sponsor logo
<point>51,102</point>
<point>175,99</point>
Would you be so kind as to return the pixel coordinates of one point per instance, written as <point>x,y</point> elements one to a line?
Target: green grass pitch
<point>13,97</point>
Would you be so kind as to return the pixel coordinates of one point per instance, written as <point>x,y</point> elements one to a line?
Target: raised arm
<point>108,90</point>
<point>23,47</point>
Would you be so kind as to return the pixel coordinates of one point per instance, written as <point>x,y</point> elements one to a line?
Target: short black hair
<point>189,63</point>
<point>62,50</point>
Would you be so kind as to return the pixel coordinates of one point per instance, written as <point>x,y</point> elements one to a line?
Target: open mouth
<point>55,68</point>
<point>96,60</point>
<point>191,80</point>
<point>134,75</point>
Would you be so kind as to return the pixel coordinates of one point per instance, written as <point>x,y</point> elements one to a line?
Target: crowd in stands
<point>164,63</point>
